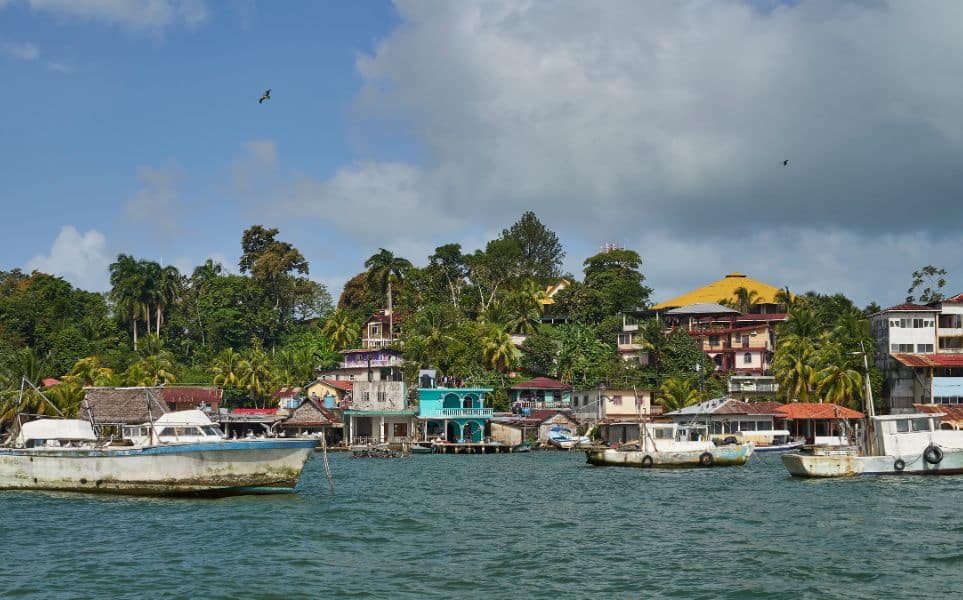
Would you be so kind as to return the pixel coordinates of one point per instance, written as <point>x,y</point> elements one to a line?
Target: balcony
<point>754,387</point>
<point>364,364</point>
<point>629,328</point>
<point>456,413</point>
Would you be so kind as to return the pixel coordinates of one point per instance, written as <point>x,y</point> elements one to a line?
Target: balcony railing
<point>753,387</point>
<point>356,364</point>
<point>459,413</point>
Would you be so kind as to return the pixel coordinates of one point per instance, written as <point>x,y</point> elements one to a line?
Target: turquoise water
<point>537,525</point>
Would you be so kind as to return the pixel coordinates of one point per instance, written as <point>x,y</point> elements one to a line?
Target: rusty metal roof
<point>928,360</point>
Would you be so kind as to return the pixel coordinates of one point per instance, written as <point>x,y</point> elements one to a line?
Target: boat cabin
<point>896,433</point>
<point>176,428</point>
<point>56,433</point>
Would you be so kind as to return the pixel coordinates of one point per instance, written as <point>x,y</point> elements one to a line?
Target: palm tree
<point>384,268</point>
<point>155,369</point>
<point>745,298</point>
<point>524,308</point>
<point>794,366</point>
<point>341,329</point>
<point>785,298</point>
<point>838,381</point>
<point>498,351</point>
<point>150,288</point>
<point>802,322</point>
<point>167,291</point>
<point>87,371</point>
<point>68,397</point>
<point>256,372</point>
<point>127,285</point>
<point>227,368</point>
<point>676,393</point>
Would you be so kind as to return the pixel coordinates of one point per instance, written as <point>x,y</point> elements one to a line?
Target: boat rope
<point>327,467</point>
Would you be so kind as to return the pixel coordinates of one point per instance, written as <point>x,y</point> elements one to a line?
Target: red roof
<point>957,299</point>
<point>187,394</point>
<point>929,360</point>
<point>254,411</point>
<point>344,386</point>
<point>50,382</point>
<point>762,317</point>
<point>812,410</point>
<point>286,392</point>
<point>954,413</point>
<point>910,307</point>
<point>541,383</point>
<point>737,407</point>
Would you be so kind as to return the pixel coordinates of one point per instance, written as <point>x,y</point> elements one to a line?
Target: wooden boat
<point>422,448</point>
<point>910,444</point>
<point>670,445</point>
<point>561,437</point>
<point>768,440</point>
<point>181,453</point>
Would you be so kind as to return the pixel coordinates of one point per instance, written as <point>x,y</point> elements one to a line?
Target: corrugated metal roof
<point>703,308</point>
<point>929,360</point>
<point>812,410</point>
<point>541,383</point>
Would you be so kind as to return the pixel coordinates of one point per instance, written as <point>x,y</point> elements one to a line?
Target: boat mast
<point>868,405</point>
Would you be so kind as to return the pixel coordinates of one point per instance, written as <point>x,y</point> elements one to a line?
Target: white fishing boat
<point>887,444</point>
<point>180,453</point>
<point>562,437</point>
<point>670,445</point>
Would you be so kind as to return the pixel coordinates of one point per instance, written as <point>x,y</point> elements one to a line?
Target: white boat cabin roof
<point>57,429</point>
<point>183,417</point>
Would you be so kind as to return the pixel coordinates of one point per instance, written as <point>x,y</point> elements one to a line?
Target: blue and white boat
<point>180,453</point>
<point>562,437</point>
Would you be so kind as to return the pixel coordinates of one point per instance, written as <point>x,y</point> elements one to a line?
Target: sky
<point>134,126</point>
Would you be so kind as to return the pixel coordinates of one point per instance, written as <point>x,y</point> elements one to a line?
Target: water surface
<point>537,525</point>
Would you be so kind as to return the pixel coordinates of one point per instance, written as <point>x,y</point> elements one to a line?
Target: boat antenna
<point>36,389</point>
<point>150,418</point>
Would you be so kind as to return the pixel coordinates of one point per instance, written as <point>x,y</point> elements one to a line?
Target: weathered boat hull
<point>780,447</point>
<point>721,456</point>
<point>196,469</point>
<point>848,465</point>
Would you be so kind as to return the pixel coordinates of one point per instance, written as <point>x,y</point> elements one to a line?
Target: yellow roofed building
<point>763,294</point>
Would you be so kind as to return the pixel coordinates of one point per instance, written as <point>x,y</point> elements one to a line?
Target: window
<point>617,400</point>
<point>924,347</point>
<point>717,359</point>
<point>401,429</point>
<point>625,338</point>
<point>365,396</point>
<point>747,358</point>
<point>901,347</point>
<point>902,426</point>
<point>745,341</point>
<point>713,340</point>
<point>382,396</point>
<point>374,330</point>
<point>921,425</point>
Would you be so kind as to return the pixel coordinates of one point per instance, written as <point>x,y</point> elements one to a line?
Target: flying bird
<point>785,163</point>
<point>265,96</point>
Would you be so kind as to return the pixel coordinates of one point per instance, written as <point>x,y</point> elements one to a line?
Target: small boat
<point>422,448</point>
<point>907,444</point>
<point>180,453</point>
<point>562,437</point>
<point>769,440</point>
<point>523,447</point>
<point>670,445</point>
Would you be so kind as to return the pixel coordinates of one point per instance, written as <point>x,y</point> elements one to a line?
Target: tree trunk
<point>157,329</point>
<point>391,316</point>
<point>135,332</point>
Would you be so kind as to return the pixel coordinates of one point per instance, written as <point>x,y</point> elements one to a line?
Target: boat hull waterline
<point>193,469</point>
<point>850,464</point>
<point>721,456</point>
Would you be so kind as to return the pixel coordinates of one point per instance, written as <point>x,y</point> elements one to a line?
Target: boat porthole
<point>83,481</point>
<point>35,479</point>
<point>98,483</point>
<point>646,461</point>
<point>899,465</point>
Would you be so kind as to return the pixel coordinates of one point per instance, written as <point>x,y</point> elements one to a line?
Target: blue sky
<point>133,126</point>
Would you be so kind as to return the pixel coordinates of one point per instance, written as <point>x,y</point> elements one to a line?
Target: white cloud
<point>21,51</point>
<point>264,151</point>
<point>615,118</point>
<point>157,203</point>
<point>134,14</point>
<point>81,259</point>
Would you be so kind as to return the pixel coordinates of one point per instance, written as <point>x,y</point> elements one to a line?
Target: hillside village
<point>497,344</point>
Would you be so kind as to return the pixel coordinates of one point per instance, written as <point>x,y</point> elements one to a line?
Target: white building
<point>920,351</point>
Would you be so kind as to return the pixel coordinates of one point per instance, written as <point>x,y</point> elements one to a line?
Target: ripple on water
<point>541,525</point>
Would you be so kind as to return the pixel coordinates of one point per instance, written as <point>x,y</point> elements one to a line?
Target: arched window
<point>451,401</point>
<point>747,358</point>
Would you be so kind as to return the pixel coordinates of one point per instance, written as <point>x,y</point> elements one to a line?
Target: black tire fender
<point>706,459</point>
<point>933,454</point>
<point>646,461</point>
<point>899,465</point>
<point>730,441</point>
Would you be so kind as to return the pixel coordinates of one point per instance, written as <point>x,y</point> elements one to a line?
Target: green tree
<point>342,329</point>
<point>257,374</point>
<point>499,352</point>
<point>927,285</point>
<point>384,269</point>
<point>539,353</point>
<point>795,367</point>
<point>676,393</point>
<point>227,368</point>
<point>127,281</point>
<point>838,380</point>
<point>541,251</point>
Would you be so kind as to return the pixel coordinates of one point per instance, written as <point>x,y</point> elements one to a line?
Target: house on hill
<point>541,392</point>
<point>310,417</point>
<point>381,329</point>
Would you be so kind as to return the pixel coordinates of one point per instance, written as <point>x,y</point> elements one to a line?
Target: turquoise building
<point>458,415</point>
